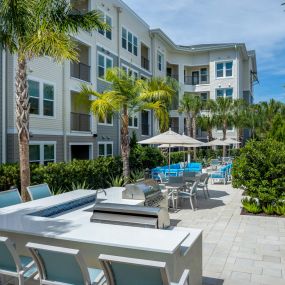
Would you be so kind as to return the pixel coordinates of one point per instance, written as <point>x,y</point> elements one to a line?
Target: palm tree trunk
<point>194,126</point>
<point>224,138</point>
<point>125,149</point>
<point>22,124</point>
<point>189,128</point>
<point>210,134</point>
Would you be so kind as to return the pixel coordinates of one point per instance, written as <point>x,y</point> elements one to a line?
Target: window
<point>107,121</point>
<point>129,42</point>
<point>204,75</point>
<point>204,96</point>
<point>160,61</point>
<point>41,96</point>
<point>104,63</point>
<point>108,20</point>
<point>133,121</point>
<point>105,149</point>
<point>224,69</point>
<point>130,71</point>
<point>42,152</point>
<point>225,93</point>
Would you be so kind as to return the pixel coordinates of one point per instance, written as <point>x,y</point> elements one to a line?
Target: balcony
<point>195,80</point>
<point>79,7</point>
<point>145,129</point>
<point>80,70</point>
<point>174,76</point>
<point>145,63</point>
<point>80,122</point>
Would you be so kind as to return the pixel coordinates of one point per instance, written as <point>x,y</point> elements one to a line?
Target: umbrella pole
<point>169,161</point>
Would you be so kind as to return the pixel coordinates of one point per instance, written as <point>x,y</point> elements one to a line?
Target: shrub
<point>260,171</point>
<point>268,209</point>
<point>251,206</point>
<point>279,209</point>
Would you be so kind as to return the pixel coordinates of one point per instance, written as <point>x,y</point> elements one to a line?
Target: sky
<point>260,24</point>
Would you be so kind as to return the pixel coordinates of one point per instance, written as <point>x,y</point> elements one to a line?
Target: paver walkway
<point>237,249</point>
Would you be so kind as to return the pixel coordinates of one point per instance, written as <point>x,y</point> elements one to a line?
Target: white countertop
<point>76,226</point>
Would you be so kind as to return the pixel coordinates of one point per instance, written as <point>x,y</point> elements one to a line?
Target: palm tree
<point>128,96</point>
<point>207,120</point>
<point>191,105</point>
<point>224,116</point>
<point>31,29</point>
<point>239,116</point>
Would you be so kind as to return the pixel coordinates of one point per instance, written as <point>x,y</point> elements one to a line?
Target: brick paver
<point>237,249</point>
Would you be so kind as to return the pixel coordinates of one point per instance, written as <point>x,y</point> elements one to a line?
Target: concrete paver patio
<point>237,249</point>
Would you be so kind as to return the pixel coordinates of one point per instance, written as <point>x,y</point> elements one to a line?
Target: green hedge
<point>260,170</point>
<point>94,173</point>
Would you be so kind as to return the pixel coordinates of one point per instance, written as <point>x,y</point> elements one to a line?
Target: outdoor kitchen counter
<point>75,225</point>
<point>73,229</point>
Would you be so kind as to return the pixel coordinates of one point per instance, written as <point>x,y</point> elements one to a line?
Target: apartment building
<point>61,129</point>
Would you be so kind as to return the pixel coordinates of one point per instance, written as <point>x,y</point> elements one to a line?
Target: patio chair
<point>130,271</point>
<point>162,178</point>
<point>190,194</point>
<point>190,176</point>
<point>58,265</point>
<point>10,198</point>
<point>220,175</point>
<point>13,265</point>
<point>214,163</point>
<point>203,184</point>
<point>39,191</point>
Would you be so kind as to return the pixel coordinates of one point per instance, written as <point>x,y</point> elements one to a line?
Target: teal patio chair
<point>39,191</point>
<point>58,265</point>
<point>10,198</point>
<point>130,271</point>
<point>12,265</point>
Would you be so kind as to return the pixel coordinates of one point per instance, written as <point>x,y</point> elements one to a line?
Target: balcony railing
<point>145,63</point>
<point>80,70</point>
<point>195,80</point>
<point>145,129</point>
<point>174,76</point>
<point>80,122</point>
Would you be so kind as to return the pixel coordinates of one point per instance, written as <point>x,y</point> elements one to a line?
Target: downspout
<point>4,129</point>
<point>64,115</point>
<point>119,11</point>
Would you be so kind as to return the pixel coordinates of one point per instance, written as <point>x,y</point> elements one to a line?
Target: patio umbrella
<point>216,142</point>
<point>231,141</point>
<point>171,138</point>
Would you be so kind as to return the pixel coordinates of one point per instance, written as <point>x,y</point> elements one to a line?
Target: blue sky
<point>260,24</point>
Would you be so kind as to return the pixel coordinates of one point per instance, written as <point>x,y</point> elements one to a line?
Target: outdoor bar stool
<point>13,265</point>
<point>58,265</point>
<point>39,191</point>
<point>10,198</point>
<point>131,271</point>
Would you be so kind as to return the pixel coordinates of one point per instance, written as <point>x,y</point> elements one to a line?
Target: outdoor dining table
<point>173,190</point>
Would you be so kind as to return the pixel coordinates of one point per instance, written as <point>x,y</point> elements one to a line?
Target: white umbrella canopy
<point>216,142</point>
<point>231,141</point>
<point>181,145</point>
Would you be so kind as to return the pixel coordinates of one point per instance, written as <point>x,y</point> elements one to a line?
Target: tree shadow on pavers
<point>217,193</point>
<point>212,281</point>
<point>203,204</point>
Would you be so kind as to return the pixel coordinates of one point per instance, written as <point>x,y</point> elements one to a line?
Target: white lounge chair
<point>130,271</point>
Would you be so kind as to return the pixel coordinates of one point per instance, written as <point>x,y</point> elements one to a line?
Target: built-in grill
<point>150,194</point>
<point>152,214</point>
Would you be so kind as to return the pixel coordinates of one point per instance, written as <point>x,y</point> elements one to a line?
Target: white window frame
<point>130,71</point>
<point>105,122</point>
<point>91,156</point>
<point>224,69</point>
<point>42,144</point>
<point>41,98</point>
<point>105,148</point>
<point>104,32</point>
<point>132,117</point>
<point>132,42</point>
<point>160,64</point>
<point>224,93</point>
<point>105,65</point>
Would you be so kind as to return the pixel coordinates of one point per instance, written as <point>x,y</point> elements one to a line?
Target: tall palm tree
<point>239,116</point>
<point>31,29</point>
<point>224,116</point>
<point>127,96</point>
<point>191,104</point>
<point>208,119</point>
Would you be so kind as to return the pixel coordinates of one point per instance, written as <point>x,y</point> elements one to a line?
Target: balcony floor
<point>237,249</point>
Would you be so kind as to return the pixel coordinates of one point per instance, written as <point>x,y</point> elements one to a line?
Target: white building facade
<point>62,130</point>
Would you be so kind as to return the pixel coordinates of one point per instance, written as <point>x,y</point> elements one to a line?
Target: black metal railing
<point>145,63</point>
<point>80,70</point>
<point>195,80</point>
<point>145,129</point>
<point>80,122</point>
